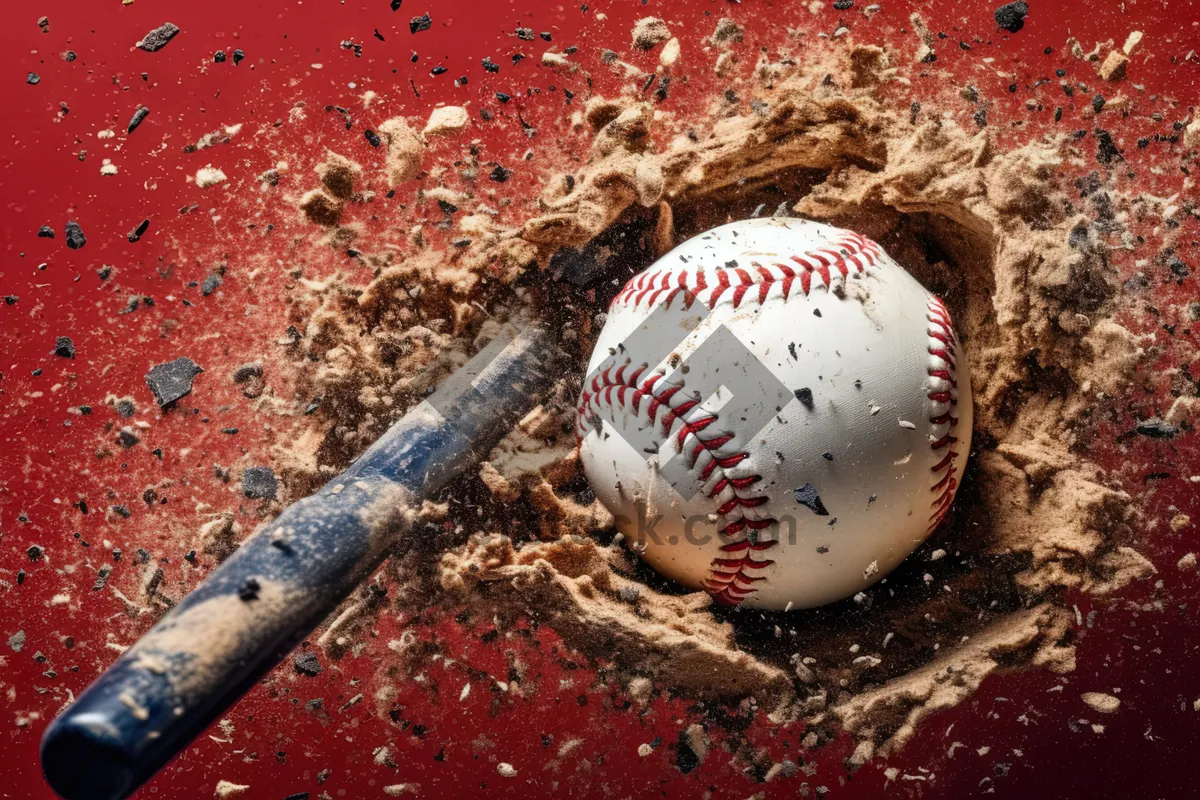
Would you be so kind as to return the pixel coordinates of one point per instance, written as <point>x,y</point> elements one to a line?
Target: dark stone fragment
<point>1106,148</point>
<point>127,437</point>
<point>219,57</point>
<point>489,65</point>
<point>69,56</point>
<point>101,578</point>
<point>807,496</point>
<point>126,408</point>
<point>45,232</point>
<point>33,79</point>
<point>172,380</point>
<point>525,34</point>
<point>306,663</point>
<point>1011,17</point>
<point>981,117</point>
<point>259,483</point>
<point>10,299</point>
<point>827,456</point>
<point>137,118</point>
<point>238,55</point>
<point>499,174</point>
<point>210,284</point>
<point>137,233</point>
<point>421,23</point>
<point>685,757</point>
<point>35,552</point>
<point>1156,429</point>
<point>396,4</point>
<point>1177,266</point>
<point>843,5</point>
<point>518,58</point>
<point>75,237</point>
<point>158,38</point>
<point>438,70</point>
<point>372,137</point>
<point>805,396</point>
<point>64,347</point>
<point>1098,103</point>
<point>502,97</point>
<point>121,511</point>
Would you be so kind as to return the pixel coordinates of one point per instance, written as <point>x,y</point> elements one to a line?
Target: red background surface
<point>1036,742</point>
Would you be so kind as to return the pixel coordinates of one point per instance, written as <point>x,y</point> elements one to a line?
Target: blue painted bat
<point>284,580</point>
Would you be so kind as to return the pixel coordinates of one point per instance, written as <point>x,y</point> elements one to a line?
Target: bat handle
<point>269,595</point>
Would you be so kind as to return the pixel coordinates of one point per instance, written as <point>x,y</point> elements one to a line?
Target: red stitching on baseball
<point>854,254</point>
<point>730,579</point>
<point>942,346</point>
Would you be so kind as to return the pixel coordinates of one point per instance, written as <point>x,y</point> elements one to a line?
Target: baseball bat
<point>284,580</point>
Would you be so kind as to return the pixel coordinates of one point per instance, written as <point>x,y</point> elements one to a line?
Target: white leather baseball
<point>859,457</point>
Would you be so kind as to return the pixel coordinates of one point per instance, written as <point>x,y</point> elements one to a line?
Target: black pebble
<point>75,237</point>
<point>396,5</point>
<point>843,5</point>
<point>259,483</point>
<point>137,118</point>
<point>1098,103</point>
<point>238,55</point>
<point>421,23</point>
<point>173,380</point>
<point>33,79</point>
<point>137,233</point>
<point>502,97</point>
<point>64,347</point>
<point>210,284</point>
<point>489,65</point>
<point>372,137</point>
<point>807,496</point>
<point>45,232</point>
<point>306,663</point>
<point>1011,17</point>
<point>499,174</point>
<point>219,57</point>
<point>805,396</point>
<point>69,56</point>
<point>438,70</point>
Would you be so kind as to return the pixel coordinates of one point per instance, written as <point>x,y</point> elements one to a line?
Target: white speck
<point>937,555</point>
<point>60,599</point>
<point>507,770</point>
<point>871,570</point>
<point>983,751</point>
<point>928,578</point>
<point>398,789</point>
<point>906,424</point>
<point>875,410</point>
<point>108,167</point>
<point>105,134</point>
<point>209,176</point>
<point>788,607</point>
<point>318,66</point>
<point>902,461</point>
<point>466,690</point>
<point>644,749</point>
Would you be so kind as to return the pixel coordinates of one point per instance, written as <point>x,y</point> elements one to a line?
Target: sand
<point>1024,270</point>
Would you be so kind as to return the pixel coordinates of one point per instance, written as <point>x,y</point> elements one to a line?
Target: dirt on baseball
<point>1000,227</point>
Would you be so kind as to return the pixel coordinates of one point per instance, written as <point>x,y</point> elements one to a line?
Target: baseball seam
<point>851,253</point>
<point>942,391</point>
<point>730,579</point>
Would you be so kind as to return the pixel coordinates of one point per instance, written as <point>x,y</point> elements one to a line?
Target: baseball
<point>776,412</point>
